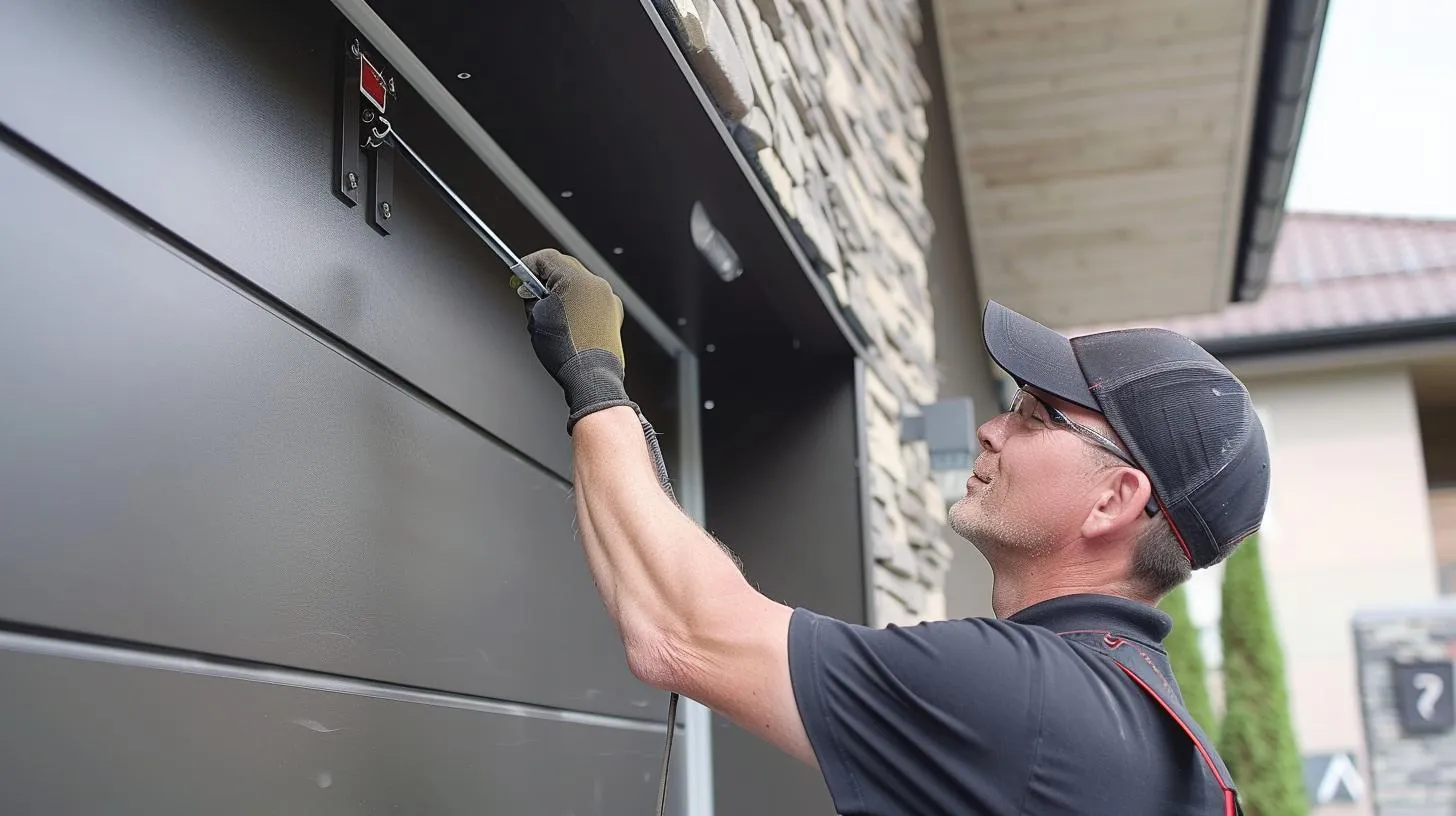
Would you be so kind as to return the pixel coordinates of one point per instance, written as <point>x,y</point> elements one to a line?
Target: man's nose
<point>992,433</point>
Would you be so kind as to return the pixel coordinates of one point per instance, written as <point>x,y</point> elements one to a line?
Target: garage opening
<point>284,502</point>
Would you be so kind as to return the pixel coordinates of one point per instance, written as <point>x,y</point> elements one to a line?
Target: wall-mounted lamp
<point>948,427</point>
<point>709,241</point>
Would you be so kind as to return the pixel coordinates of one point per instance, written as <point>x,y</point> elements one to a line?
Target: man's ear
<point>1120,498</point>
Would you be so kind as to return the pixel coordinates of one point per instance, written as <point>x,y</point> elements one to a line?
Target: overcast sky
<point>1380,134</point>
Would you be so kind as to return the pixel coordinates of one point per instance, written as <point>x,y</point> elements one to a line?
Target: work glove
<point>576,331</point>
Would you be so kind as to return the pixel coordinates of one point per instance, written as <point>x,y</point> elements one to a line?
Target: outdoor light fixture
<point>713,245</point>
<point>948,427</point>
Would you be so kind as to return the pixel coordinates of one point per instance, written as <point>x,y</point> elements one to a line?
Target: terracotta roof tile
<point>1314,248</point>
<point>1340,271</point>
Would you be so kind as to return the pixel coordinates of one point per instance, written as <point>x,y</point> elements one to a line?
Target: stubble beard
<point>1001,539</point>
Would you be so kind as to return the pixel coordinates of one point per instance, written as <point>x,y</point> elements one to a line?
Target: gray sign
<point>1423,694</point>
<point>1333,778</point>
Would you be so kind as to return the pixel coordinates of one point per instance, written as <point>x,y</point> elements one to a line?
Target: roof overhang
<point>1125,159</point>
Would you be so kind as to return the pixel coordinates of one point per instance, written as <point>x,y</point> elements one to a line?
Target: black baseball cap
<point>1184,417</point>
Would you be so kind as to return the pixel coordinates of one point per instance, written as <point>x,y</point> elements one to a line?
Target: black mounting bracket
<point>365,85</point>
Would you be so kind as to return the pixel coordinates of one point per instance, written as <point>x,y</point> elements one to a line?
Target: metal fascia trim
<point>1342,337</point>
<point>697,719</point>
<point>1294,34</point>
<point>865,497</point>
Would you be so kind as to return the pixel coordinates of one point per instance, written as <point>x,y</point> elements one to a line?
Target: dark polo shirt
<point>995,717</point>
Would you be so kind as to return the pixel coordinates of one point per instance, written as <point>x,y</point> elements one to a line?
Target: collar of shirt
<point>1099,613</point>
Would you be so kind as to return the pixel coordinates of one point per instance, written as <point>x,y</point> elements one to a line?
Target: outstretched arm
<point>689,620</point>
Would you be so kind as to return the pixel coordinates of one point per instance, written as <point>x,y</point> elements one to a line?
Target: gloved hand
<point>576,331</point>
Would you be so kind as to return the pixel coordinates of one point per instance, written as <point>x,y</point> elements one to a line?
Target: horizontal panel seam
<point>24,639</point>
<point>181,247</point>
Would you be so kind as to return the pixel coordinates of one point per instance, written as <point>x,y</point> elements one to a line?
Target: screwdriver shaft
<point>476,223</point>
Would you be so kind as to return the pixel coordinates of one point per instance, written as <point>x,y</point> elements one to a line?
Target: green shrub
<point>1256,737</point>
<point>1187,658</point>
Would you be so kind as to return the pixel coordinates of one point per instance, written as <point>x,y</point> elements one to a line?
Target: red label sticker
<point>371,83</point>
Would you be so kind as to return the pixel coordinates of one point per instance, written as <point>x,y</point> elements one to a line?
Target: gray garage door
<point>284,511</point>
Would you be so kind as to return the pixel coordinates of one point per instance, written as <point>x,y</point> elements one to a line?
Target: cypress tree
<point>1187,658</point>
<point>1256,738</point>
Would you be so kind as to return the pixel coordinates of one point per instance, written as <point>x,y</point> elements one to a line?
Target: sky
<point>1380,132</point>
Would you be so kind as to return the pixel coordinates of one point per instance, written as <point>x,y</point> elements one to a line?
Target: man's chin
<point>967,518</point>
<point>964,518</point>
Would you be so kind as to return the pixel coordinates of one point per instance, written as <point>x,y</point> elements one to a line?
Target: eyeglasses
<point>1024,405</point>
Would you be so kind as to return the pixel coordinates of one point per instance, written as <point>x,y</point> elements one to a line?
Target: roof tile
<point>1339,271</point>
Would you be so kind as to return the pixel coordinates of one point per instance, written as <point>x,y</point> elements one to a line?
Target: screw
<point>384,209</point>
<point>355,49</point>
<point>391,85</point>
<point>368,115</point>
<point>353,181</point>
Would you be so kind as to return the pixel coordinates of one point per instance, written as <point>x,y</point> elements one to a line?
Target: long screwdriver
<point>537,288</point>
<point>482,229</point>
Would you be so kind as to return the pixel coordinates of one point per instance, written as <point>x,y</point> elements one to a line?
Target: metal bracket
<point>363,127</point>
<point>381,182</point>
<point>364,86</point>
<point>347,158</point>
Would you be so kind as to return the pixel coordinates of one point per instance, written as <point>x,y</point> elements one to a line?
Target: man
<point>1127,460</point>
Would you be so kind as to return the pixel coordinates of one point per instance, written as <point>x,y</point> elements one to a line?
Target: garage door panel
<point>181,466</point>
<point>216,119</point>
<point>103,737</point>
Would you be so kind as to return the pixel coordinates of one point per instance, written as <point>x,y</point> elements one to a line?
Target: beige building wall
<point>1349,527</point>
<point>1443,530</point>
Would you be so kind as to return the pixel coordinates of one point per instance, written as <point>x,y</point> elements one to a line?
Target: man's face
<point>1034,482</point>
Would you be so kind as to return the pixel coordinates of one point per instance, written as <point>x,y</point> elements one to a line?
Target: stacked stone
<point>827,100</point>
<point>906,516</point>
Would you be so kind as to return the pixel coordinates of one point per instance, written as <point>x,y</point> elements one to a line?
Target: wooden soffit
<point>1103,148</point>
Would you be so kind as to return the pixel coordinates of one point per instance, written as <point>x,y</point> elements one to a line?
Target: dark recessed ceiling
<point>588,97</point>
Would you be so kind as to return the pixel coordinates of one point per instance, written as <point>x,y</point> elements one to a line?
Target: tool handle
<point>525,276</point>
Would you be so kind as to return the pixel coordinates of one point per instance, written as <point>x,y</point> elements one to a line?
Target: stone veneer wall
<point>1410,775</point>
<point>827,101</point>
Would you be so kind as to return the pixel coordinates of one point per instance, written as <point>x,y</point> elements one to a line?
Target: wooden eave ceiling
<point>1102,147</point>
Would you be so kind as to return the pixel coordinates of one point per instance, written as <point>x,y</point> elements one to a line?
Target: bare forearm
<point>690,621</point>
<point>664,580</point>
